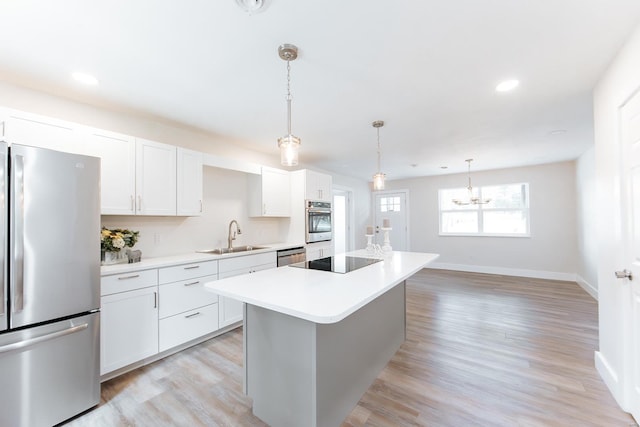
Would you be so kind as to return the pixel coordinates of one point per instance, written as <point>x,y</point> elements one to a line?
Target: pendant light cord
<point>378,129</point>
<point>288,97</point>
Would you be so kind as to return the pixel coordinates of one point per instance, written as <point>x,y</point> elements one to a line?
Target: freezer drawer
<point>49,373</point>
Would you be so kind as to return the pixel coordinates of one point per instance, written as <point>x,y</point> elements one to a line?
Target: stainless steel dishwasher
<point>291,256</point>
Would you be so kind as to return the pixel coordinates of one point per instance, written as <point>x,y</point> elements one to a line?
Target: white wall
<point>551,250</point>
<point>616,85</point>
<point>587,270</point>
<point>225,198</point>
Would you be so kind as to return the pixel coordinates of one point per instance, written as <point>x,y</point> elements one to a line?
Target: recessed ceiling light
<point>507,85</point>
<point>84,78</point>
<point>558,132</point>
<point>444,167</point>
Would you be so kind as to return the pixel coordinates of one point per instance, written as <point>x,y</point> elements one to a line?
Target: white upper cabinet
<point>318,186</point>
<point>189,182</point>
<point>155,178</point>
<point>43,132</point>
<point>117,170</point>
<point>270,193</point>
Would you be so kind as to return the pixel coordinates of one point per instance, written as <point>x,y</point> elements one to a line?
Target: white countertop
<point>322,296</point>
<point>168,261</point>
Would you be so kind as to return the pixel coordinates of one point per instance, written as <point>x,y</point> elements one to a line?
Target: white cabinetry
<point>189,182</point>
<point>155,178</point>
<point>187,310</point>
<point>230,310</point>
<point>129,319</point>
<point>318,186</point>
<point>319,250</point>
<point>269,193</point>
<point>138,177</point>
<point>38,131</point>
<point>117,153</point>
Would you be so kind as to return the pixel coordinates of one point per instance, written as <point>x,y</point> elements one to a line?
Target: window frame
<point>480,209</point>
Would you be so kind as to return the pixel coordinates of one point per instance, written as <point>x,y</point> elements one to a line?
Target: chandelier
<point>472,200</point>
<point>378,177</point>
<point>288,144</point>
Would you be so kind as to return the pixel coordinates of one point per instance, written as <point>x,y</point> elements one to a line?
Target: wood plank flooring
<point>481,350</point>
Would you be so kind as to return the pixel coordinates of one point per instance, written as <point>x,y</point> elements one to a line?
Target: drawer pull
<point>188,316</point>
<point>133,276</point>
<point>192,283</point>
<point>192,267</point>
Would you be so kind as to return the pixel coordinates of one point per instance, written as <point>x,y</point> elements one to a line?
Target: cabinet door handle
<point>155,300</point>
<point>192,283</point>
<point>191,267</point>
<point>139,203</point>
<point>189,316</point>
<point>133,276</point>
<point>133,201</point>
<point>264,209</point>
<point>200,206</point>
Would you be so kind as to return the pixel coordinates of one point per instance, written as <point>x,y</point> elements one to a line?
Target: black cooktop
<point>336,264</point>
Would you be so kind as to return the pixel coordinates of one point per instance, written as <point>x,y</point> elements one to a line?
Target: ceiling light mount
<point>288,52</point>
<point>251,6</point>
<point>288,144</point>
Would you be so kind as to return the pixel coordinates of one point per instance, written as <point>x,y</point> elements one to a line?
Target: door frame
<point>350,210</point>
<point>374,211</point>
<point>631,366</point>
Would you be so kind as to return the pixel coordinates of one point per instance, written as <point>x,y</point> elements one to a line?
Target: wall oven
<point>318,221</point>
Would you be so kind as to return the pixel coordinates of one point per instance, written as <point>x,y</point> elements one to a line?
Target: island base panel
<point>302,373</point>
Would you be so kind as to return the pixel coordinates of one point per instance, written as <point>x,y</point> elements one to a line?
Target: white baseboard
<point>536,274</point>
<point>610,378</point>
<point>588,287</point>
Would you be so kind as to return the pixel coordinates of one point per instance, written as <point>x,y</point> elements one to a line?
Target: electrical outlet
<point>156,239</point>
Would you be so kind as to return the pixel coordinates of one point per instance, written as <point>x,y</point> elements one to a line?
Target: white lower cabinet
<point>129,321</point>
<point>146,312</point>
<point>319,250</point>
<point>187,310</point>
<point>230,310</point>
<point>187,326</point>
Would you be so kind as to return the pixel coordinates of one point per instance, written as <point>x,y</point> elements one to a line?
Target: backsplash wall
<point>224,199</point>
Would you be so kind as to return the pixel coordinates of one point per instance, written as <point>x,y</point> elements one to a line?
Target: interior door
<point>630,134</point>
<point>392,206</point>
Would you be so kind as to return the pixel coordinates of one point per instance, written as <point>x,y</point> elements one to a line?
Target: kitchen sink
<point>236,249</point>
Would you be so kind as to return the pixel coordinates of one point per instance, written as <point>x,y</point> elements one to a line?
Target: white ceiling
<point>427,68</point>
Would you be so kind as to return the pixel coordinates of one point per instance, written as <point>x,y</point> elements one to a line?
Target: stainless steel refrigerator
<point>50,285</point>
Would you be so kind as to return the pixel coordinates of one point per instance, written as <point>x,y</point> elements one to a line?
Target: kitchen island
<point>314,341</point>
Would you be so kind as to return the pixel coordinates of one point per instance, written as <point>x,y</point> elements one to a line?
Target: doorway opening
<point>342,220</point>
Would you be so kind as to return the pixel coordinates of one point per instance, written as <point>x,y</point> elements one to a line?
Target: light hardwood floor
<point>481,350</point>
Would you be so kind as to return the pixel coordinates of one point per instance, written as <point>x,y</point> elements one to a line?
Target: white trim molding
<point>536,274</point>
<point>588,287</point>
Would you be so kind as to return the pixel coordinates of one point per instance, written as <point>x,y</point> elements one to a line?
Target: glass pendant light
<point>288,144</point>
<point>378,177</point>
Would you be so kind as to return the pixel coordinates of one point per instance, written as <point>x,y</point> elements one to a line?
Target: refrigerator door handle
<point>17,303</point>
<point>33,341</point>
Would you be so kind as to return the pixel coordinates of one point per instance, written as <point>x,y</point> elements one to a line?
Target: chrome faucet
<point>233,237</point>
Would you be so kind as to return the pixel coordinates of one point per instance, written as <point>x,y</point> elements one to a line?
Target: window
<point>507,214</point>
<point>389,204</point>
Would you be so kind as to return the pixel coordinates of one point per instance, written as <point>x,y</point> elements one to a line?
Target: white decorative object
<point>370,248</point>
<point>386,247</point>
